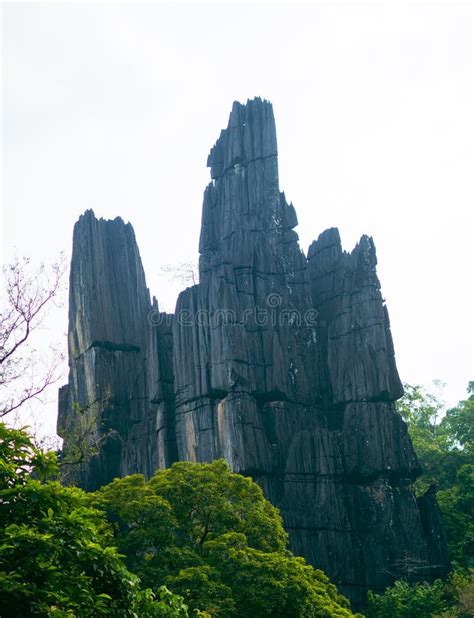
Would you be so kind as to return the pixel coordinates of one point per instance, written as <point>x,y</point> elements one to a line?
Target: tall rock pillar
<point>285,367</point>
<point>109,413</point>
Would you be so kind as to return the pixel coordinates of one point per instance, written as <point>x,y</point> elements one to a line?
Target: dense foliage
<point>403,600</point>
<point>206,533</point>
<point>56,558</point>
<point>211,536</point>
<point>445,447</point>
<point>451,599</point>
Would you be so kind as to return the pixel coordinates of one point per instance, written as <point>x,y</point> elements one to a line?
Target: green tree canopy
<point>451,599</point>
<point>56,556</point>
<point>444,443</point>
<point>457,504</point>
<point>211,536</point>
<point>405,600</point>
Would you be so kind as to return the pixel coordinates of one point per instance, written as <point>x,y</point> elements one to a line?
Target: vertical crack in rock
<point>283,365</point>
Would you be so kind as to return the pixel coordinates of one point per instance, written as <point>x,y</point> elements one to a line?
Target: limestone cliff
<point>280,363</point>
<point>116,413</point>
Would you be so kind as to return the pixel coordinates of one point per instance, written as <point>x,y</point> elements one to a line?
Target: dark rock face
<point>353,321</point>
<point>117,400</point>
<point>283,365</point>
<point>432,522</point>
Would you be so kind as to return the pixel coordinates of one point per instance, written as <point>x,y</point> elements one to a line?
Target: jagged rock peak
<point>326,255</point>
<point>250,135</point>
<point>328,238</point>
<point>331,239</point>
<point>108,296</point>
<point>89,216</point>
<point>246,221</point>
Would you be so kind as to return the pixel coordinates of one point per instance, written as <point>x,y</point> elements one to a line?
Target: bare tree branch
<point>183,272</point>
<point>27,294</point>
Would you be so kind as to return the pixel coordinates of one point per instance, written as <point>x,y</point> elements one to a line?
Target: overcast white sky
<point>115,107</point>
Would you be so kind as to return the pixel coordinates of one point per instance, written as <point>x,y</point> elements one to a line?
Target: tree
<point>183,272</point>
<point>444,445</point>
<point>460,592</point>
<point>451,599</point>
<point>270,583</point>
<point>458,425</point>
<point>211,536</point>
<point>457,506</point>
<point>405,600</point>
<point>56,558</point>
<point>443,442</point>
<point>26,296</point>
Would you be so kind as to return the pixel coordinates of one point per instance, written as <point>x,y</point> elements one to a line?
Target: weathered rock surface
<point>353,321</point>
<point>118,397</point>
<point>283,365</point>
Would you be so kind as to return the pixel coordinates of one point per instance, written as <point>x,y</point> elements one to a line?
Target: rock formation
<point>116,413</point>
<point>280,363</point>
